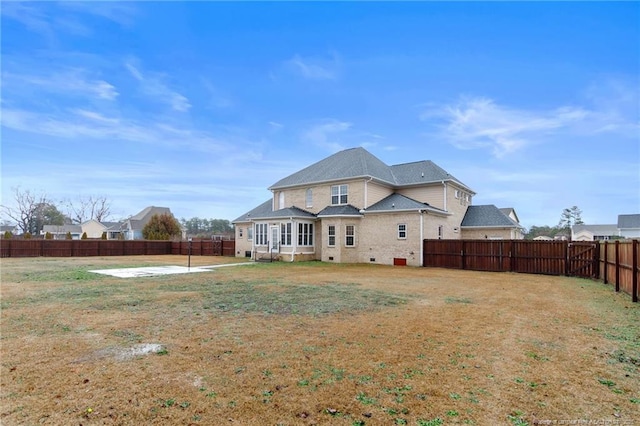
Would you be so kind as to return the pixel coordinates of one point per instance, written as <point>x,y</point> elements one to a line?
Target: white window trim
<point>329,236</point>
<point>404,230</point>
<point>340,194</point>
<point>346,235</point>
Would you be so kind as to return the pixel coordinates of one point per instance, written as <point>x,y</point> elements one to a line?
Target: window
<point>240,232</point>
<point>249,233</point>
<point>305,234</point>
<point>339,194</point>
<point>285,234</point>
<point>457,193</point>
<point>281,201</point>
<point>350,236</point>
<point>402,231</point>
<point>309,197</point>
<point>261,234</point>
<point>332,236</point>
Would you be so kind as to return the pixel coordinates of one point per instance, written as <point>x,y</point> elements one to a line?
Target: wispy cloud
<point>84,125</point>
<point>153,85</point>
<point>611,106</point>
<point>327,134</point>
<point>477,122</point>
<point>43,19</point>
<point>68,81</point>
<point>315,68</point>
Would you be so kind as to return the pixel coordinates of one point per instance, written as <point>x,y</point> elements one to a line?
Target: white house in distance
<point>352,208</point>
<point>628,226</point>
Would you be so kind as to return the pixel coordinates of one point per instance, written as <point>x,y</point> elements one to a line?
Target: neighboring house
<point>93,228</point>
<point>59,232</point>
<point>629,225</point>
<point>352,207</point>
<point>492,223</point>
<point>9,228</point>
<point>543,238</point>
<point>132,228</point>
<point>584,232</point>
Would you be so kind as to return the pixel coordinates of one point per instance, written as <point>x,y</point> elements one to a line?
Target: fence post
<point>606,259</point>
<point>567,247</point>
<point>462,262</point>
<point>512,249</point>
<point>634,279</point>
<point>596,261</point>
<point>617,265</point>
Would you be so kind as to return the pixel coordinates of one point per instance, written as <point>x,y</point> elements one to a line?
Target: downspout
<point>444,185</point>
<point>294,239</point>
<point>366,191</point>
<point>421,212</point>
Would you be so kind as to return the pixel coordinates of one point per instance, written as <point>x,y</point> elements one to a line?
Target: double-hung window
<point>350,236</point>
<point>331,233</point>
<point>261,234</point>
<point>305,234</point>
<point>339,194</point>
<point>402,231</point>
<point>285,234</point>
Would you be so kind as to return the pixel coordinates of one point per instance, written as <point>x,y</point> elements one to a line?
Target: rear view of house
<point>352,207</point>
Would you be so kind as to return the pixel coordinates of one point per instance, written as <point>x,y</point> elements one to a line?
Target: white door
<point>275,238</point>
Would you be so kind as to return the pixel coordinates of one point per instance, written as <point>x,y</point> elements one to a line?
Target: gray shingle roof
<point>147,212</point>
<point>350,163</point>
<point>346,210</point>
<point>399,202</point>
<point>358,162</point>
<point>75,229</point>
<point>596,229</point>
<point>628,221</point>
<point>421,172</point>
<point>265,211</point>
<point>487,216</point>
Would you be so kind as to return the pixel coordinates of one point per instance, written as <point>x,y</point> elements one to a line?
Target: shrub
<point>84,236</point>
<point>7,235</point>
<point>161,227</point>
<point>103,236</point>
<point>68,236</point>
<point>48,236</point>
<point>26,235</point>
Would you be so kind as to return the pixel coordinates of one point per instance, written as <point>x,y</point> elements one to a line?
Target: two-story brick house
<point>352,207</point>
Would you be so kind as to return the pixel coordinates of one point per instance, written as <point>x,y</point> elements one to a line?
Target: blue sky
<point>200,106</point>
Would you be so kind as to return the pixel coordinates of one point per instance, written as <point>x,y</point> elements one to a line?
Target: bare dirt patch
<point>311,343</point>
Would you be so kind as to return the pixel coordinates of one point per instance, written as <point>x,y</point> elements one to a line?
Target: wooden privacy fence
<point>613,263</point>
<point>205,247</point>
<point>81,248</point>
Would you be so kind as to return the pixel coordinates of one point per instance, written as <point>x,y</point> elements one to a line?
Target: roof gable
<point>628,221</point>
<point>265,211</point>
<point>344,210</point>
<point>420,172</point>
<point>347,164</point>
<point>487,216</point>
<point>360,163</point>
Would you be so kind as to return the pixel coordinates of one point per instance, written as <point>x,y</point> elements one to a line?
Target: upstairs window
<point>339,194</point>
<point>309,197</point>
<point>281,201</point>
<point>402,231</point>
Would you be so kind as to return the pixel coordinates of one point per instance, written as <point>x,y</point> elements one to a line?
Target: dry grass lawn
<point>311,343</point>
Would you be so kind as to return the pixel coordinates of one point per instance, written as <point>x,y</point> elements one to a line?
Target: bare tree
<point>28,209</point>
<point>87,208</point>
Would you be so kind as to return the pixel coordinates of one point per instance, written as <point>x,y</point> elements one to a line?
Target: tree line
<point>569,217</point>
<point>32,210</point>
